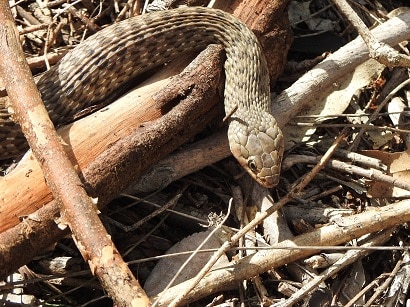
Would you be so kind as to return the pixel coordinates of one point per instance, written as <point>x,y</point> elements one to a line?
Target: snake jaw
<point>260,154</point>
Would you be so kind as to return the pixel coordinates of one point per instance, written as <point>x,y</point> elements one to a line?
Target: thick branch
<point>132,122</point>
<point>77,208</point>
<point>344,230</point>
<point>310,86</point>
<point>291,101</point>
<point>141,145</point>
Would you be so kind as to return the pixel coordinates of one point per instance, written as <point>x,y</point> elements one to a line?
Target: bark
<point>77,210</point>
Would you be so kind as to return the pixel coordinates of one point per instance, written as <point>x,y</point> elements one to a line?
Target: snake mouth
<point>265,176</point>
<point>267,182</point>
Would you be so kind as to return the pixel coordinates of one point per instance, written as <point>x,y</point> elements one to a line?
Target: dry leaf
<point>333,101</point>
<point>398,166</point>
<point>166,268</point>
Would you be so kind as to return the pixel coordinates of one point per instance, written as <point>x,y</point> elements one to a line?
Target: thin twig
<point>379,51</point>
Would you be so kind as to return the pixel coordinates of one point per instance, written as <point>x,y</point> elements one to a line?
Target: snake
<point>99,66</point>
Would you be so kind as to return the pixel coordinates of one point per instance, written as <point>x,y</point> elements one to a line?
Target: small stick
<point>378,50</point>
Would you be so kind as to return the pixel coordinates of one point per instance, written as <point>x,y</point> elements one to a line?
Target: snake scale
<point>99,66</point>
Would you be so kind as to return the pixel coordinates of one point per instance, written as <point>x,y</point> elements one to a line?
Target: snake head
<point>259,152</point>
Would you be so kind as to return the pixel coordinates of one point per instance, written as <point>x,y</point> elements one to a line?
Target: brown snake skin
<point>90,73</point>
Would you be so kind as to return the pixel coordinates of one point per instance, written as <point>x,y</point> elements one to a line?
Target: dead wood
<point>186,161</point>
<point>291,100</point>
<point>131,123</point>
<point>24,195</point>
<point>286,251</point>
<point>77,209</point>
<point>136,145</point>
<point>334,67</point>
<point>26,185</point>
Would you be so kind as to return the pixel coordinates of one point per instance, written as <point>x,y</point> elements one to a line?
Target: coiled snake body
<point>101,64</point>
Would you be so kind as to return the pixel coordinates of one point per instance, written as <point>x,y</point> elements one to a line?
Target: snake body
<point>101,64</point>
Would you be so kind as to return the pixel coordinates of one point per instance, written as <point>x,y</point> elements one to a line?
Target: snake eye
<point>252,166</point>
